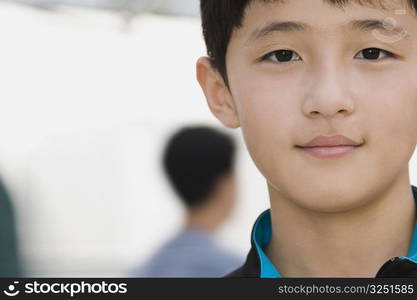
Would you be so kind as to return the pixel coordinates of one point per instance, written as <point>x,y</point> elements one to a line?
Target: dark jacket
<point>395,267</point>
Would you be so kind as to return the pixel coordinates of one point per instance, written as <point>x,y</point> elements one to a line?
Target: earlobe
<point>217,93</point>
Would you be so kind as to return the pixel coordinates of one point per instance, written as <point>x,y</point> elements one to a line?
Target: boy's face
<point>326,84</point>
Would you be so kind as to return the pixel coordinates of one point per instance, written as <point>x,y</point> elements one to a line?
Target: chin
<point>331,202</point>
<point>329,198</point>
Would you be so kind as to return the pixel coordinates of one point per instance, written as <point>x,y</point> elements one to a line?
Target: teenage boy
<point>325,93</point>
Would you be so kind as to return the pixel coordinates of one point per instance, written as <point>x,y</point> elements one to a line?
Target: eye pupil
<point>371,53</point>
<point>284,55</point>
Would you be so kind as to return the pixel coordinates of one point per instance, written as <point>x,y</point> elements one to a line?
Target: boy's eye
<point>374,54</point>
<point>281,56</point>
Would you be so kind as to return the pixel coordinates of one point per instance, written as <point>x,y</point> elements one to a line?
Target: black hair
<point>194,159</point>
<point>221,17</point>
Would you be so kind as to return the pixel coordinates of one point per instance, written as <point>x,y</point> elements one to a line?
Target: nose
<point>327,95</point>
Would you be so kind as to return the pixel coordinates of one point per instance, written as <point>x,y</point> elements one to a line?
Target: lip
<point>330,141</point>
<point>330,146</point>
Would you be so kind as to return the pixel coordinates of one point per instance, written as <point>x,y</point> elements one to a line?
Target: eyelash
<point>268,56</point>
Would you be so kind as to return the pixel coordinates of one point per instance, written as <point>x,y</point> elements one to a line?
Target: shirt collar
<point>262,233</point>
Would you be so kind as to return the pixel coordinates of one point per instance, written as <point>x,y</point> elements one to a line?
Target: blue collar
<point>262,233</point>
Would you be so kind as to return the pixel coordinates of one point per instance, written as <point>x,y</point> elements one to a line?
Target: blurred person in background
<point>199,163</point>
<point>9,262</point>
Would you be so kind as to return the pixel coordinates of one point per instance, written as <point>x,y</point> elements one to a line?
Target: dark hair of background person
<point>221,17</point>
<point>194,159</point>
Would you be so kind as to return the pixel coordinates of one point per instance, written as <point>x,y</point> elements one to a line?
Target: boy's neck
<point>350,244</point>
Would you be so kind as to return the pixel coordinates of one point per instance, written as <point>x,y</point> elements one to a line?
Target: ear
<point>218,96</point>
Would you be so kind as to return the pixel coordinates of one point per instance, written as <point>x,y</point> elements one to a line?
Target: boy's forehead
<point>381,4</point>
<point>264,16</point>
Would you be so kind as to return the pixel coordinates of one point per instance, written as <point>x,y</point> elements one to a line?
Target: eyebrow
<point>364,25</point>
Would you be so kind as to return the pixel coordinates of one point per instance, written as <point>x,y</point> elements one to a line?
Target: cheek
<point>391,114</point>
<point>393,138</point>
<point>265,102</point>
<point>268,111</point>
